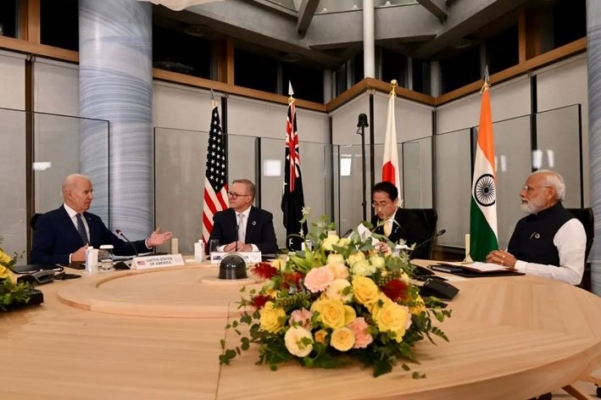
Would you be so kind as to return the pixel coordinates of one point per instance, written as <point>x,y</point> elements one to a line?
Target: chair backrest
<point>34,220</point>
<point>586,216</point>
<point>429,217</point>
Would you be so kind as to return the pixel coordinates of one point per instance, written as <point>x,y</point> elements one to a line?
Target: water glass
<point>213,244</point>
<point>106,257</point>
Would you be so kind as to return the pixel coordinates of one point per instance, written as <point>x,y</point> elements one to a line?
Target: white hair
<point>555,180</point>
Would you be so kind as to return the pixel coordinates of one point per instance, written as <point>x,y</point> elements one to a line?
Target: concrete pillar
<point>115,84</point>
<point>369,42</point>
<point>435,79</point>
<point>593,23</point>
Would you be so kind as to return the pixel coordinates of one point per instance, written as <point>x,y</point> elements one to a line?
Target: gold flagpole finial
<point>393,84</point>
<point>290,93</point>
<point>486,84</point>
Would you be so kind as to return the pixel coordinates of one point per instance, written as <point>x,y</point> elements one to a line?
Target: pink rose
<point>301,318</point>
<point>319,279</point>
<point>359,328</point>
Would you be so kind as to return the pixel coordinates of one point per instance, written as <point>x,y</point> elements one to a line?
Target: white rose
<point>297,342</point>
<point>353,258</point>
<point>329,241</point>
<point>377,262</point>
<point>363,268</point>
<point>336,289</point>
<point>334,258</point>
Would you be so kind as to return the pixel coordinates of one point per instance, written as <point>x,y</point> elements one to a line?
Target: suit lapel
<point>70,228</point>
<point>251,225</point>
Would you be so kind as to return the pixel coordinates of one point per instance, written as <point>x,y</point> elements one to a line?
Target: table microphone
<point>120,233</point>
<point>437,234</point>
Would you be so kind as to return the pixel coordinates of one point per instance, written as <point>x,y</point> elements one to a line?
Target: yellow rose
<point>272,318</point>
<point>392,317</point>
<point>321,336</point>
<point>331,312</point>
<point>349,315</point>
<point>419,306</point>
<point>6,273</point>
<point>353,258</point>
<point>279,264</point>
<point>365,290</point>
<point>4,258</point>
<point>379,303</point>
<point>343,339</point>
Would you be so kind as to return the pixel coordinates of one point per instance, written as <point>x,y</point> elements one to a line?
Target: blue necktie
<point>82,229</point>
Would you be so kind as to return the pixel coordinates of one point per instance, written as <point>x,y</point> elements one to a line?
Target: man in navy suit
<point>243,227</point>
<point>62,236</point>
<point>397,223</point>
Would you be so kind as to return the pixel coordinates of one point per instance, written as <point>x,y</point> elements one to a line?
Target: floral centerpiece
<point>10,291</point>
<point>345,299</point>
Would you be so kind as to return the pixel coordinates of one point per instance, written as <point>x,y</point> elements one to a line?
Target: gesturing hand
<point>157,238</point>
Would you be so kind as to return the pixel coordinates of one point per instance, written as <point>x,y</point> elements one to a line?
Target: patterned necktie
<point>82,229</point>
<point>387,229</point>
<point>241,230</point>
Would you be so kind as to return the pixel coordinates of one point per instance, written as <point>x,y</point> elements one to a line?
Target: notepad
<point>476,266</point>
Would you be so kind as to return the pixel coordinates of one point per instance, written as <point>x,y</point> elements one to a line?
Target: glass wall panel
<point>417,173</point>
<point>558,148</point>
<point>180,173</point>
<point>13,172</point>
<point>453,186</point>
<point>513,167</point>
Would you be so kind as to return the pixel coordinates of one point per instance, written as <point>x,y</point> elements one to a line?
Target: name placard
<point>166,260</point>
<point>250,257</point>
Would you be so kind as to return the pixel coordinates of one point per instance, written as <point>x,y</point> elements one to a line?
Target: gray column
<point>369,42</point>
<point>115,84</point>
<point>593,23</point>
<point>435,79</point>
<point>327,85</point>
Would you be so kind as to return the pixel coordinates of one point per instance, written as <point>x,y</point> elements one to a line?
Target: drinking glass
<point>106,257</point>
<point>213,244</point>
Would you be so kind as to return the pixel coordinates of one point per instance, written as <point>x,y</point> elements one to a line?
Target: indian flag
<point>483,212</point>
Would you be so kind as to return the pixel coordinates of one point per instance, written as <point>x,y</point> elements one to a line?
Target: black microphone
<point>437,234</point>
<point>120,233</point>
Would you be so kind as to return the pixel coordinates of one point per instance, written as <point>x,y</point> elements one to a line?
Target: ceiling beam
<point>436,7</point>
<point>305,15</point>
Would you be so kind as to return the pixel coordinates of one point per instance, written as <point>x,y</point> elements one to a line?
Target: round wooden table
<point>155,335</point>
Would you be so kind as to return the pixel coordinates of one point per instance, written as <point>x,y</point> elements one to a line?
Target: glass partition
<point>180,175</point>
<point>55,153</point>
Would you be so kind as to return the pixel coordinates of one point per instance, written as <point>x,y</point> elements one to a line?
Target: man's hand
<point>157,238</point>
<point>237,246</point>
<point>79,255</point>
<point>502,258</point>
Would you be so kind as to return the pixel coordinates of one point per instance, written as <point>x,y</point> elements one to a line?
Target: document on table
<point>477,266</point>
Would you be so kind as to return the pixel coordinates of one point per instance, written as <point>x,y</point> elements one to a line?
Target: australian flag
<point>293,200</point>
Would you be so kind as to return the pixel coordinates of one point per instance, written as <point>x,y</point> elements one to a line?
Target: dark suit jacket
<point>409,227</point>
<point>55,237</point>
<point>259,229</point>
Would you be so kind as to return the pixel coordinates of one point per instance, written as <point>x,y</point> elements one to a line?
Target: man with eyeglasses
<point>397,223</point>
<point>243,227</point>
<point>550,241</point>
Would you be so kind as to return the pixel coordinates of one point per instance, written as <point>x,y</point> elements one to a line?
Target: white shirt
<point>570,241</point>
<point>246,214</point>
<point>73,215</point>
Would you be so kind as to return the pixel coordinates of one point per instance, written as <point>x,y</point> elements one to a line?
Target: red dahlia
<point>265,270</point>
<point>395,289</point>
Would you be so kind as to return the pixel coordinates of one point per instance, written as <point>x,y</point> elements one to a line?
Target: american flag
<point>293,200</point>
<point>215,196</point>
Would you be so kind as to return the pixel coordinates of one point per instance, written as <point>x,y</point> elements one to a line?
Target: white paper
<point>484,267</point>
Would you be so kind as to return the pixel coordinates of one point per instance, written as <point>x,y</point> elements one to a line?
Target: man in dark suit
<point>62,236</point>
<point>243,227</point>
<point>397,223</point>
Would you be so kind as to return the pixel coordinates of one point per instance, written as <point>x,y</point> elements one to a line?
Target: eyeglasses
<point>532,188</point>
<point>236,195</point>
<point>381,204</point>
